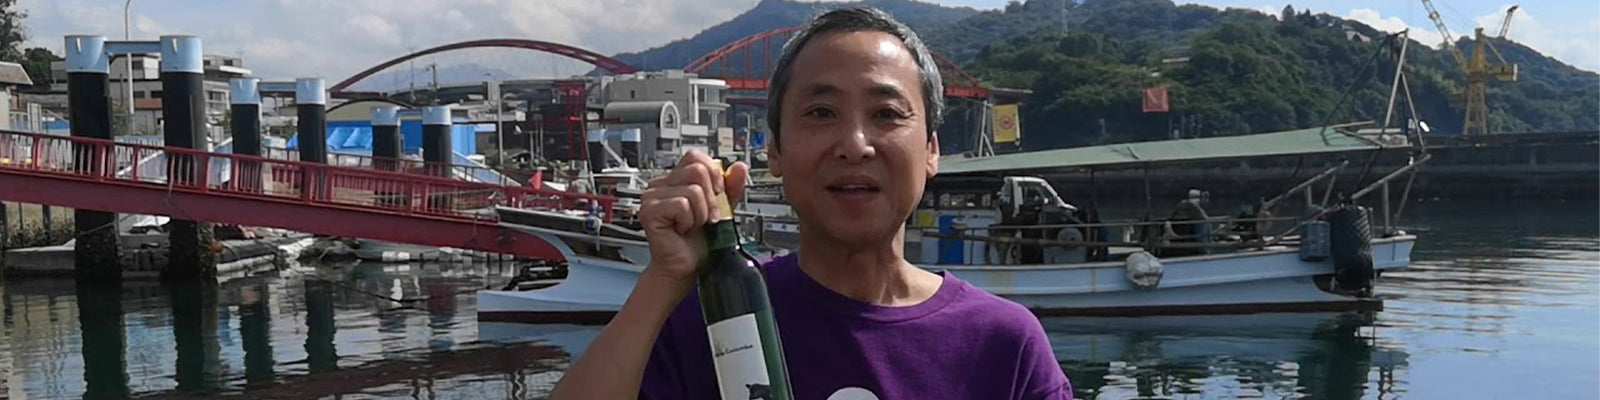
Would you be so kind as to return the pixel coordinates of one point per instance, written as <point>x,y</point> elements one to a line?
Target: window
<point>632,95</point>
<point>700,95</point>
<point>138,65</point>
<point>140,95</point>
<point>155,94</point>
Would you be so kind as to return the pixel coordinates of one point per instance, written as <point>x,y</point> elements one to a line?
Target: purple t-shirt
<point>962,343</point>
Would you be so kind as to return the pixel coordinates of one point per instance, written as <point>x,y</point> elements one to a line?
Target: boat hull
<point>1270,280</point>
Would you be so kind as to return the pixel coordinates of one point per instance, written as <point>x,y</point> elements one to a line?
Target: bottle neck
<point>722,235</point>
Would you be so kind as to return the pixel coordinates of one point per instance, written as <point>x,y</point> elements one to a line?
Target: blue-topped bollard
<point>183,111</point>
<point>311,103</point>
<point>386,142</point>
<point>89,108</point>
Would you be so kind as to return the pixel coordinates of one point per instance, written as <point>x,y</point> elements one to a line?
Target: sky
<point>283,39</point>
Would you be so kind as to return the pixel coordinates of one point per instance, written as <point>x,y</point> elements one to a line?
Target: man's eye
<point>819,113</point>
<point>890,114</point>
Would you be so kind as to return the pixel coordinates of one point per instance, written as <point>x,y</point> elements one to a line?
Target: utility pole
<point>412,95</point>
<point>493,89</point>
<point>435,68</point>
<point>127,9</point>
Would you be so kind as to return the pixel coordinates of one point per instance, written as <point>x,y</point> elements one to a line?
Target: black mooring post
<point>386,142</point>
<point>95,256</point>
<point>183,110</point>
<point>436,141</point>
<point>245,104</point>
<point>386,149</point>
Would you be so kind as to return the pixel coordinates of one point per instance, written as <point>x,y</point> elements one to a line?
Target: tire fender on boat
<point>1144,270</point>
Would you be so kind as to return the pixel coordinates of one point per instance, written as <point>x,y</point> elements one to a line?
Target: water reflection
<point>334,328</point>
<point>105,363</point>
<point>1324,356</point>
<point>255,328</point>
<point>321,354</point>
<point>194,328</point>
<point>1498,304</point>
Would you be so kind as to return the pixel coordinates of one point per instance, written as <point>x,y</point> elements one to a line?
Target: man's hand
<point>675,209</point>
<point>677,206</point>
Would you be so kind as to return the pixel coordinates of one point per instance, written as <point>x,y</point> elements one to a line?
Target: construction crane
<point>1477,68</point>
<point>1506,26</point>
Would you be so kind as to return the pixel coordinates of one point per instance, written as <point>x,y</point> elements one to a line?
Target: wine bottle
<point>733,299</point>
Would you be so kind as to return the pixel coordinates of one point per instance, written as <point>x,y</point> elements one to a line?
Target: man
<point>853,105</point>
<point>1185,229</point>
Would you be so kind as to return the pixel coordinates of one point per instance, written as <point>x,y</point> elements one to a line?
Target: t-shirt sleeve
<point>1038,371</point>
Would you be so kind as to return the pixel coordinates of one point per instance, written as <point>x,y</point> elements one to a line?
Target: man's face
<point>854,151</point>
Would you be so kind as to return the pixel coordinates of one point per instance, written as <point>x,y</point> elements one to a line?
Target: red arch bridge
<point>743,63</point>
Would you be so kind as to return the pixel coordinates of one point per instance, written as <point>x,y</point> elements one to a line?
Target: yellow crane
<point>1477,68</point>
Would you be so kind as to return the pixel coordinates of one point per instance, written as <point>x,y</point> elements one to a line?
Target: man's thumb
<point>735,179</point>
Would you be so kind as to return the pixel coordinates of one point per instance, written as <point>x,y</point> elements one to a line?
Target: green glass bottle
<point>733,298</point>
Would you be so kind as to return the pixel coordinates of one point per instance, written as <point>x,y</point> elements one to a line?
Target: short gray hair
<point>857,19</point>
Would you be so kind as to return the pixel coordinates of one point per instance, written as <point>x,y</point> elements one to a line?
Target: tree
<point>11,31</point>
<point>1288,12</point>
<point>36,61</point>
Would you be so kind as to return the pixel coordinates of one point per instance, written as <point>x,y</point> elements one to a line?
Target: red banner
<point>1155,99</point>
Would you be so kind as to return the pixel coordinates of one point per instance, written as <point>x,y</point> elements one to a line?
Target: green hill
<point>1246,71</point>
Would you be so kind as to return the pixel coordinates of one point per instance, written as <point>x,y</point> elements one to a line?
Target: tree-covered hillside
<point>1086,63</point>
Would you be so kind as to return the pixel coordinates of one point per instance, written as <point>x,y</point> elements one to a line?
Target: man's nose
<point>854,146</point>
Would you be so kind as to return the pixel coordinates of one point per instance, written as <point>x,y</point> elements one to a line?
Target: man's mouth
<point>854,185</point>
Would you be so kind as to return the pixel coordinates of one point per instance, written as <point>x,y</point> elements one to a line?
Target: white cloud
<point>334,39</point>
<point>1572,43</point>
<point>1427,36</point>
<point>374,28</point>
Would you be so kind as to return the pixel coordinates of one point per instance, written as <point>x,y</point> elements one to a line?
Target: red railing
<point>197,171</point>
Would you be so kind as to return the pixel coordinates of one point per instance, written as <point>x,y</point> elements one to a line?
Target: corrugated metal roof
<point>1301,141</point>
<point>13,74</point>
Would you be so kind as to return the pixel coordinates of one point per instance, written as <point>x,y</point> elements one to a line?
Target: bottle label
<point>739,359</point>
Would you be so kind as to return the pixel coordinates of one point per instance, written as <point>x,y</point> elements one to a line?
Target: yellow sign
<point>1007,124</point>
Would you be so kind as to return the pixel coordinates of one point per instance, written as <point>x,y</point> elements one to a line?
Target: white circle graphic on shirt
<point>853,393</point>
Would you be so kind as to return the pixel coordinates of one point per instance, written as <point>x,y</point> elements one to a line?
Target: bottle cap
<point>724,207</point>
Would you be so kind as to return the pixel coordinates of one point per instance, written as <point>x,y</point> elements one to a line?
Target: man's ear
<point>933,155</point>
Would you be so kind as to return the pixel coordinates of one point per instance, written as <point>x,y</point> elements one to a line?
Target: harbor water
<point>1502,301</point>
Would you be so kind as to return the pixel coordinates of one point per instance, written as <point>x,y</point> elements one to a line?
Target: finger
<point>699,205</point>
<point>675,208</point>
<point>681,214</point>
<point>713,168</point>
<point>686,223</point>
<point>734,182</point>
<point>699,175</point>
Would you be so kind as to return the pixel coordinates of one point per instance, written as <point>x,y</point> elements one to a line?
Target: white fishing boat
<point>1024,243</point>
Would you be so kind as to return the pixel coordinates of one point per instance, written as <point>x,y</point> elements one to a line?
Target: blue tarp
<point>353,135</point>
